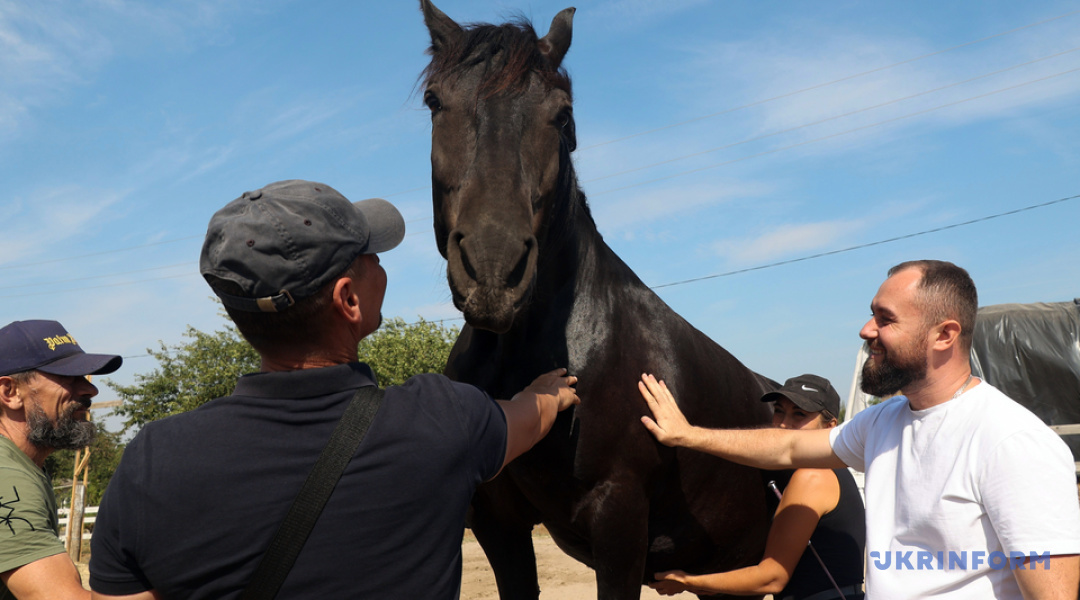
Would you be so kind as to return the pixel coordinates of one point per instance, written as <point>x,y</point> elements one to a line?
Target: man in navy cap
<point>44,399</point>
<point>197,498</point>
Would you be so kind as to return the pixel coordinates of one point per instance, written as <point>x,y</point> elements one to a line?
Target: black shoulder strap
<point>304,512</point>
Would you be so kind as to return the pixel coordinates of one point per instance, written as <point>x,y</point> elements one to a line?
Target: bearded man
<point>968,494</point>
<point>44,400</point>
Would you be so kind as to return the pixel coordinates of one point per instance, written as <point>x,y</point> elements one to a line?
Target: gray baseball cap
<point>810,393</point>
<point>284,242</point>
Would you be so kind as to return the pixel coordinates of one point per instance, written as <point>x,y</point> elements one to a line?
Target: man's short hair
<point>299,326</point>
<point>23,377</point>
<point>945,291</point>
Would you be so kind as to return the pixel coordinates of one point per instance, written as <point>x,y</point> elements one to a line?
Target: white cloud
<point>212,158</point>
<point>55,215</point>
<point>48,47</point>
<point>790,240</point>
<point>768,73</point>
<point>43,51</point>
<point>628,209</point>
<point>787,240</point>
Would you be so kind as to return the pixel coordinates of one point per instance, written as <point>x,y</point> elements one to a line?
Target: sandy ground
<point>561,577</point>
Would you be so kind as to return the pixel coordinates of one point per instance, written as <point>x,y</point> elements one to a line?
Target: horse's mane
<point>511,49</point>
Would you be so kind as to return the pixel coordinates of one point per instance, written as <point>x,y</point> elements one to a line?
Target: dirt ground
<point>561,577</point>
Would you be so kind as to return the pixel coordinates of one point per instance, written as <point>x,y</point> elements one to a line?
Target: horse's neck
<point>577,254</point>
<point>579,277</point>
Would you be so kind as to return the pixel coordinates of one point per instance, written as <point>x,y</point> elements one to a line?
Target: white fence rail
<point>89,516</point>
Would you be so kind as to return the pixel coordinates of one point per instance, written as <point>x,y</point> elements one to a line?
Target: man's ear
<point>346,299</point>
<point>946,334</point>
<point>9,394</point>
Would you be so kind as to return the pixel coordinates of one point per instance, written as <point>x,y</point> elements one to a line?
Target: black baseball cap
<point>47,346</point>
<point>810,393</point>
<point>287,240</point>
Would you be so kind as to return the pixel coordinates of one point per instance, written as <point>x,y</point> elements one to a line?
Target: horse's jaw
<point>488,309</point>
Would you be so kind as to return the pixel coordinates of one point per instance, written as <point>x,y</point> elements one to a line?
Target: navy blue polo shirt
<point>198,496</point>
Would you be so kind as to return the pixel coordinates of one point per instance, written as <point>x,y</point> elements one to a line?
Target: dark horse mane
<point>510,48</point>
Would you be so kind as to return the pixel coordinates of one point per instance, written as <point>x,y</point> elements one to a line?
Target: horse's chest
<point>598,441</point>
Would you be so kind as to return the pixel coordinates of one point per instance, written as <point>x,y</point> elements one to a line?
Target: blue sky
<point>713,137</point>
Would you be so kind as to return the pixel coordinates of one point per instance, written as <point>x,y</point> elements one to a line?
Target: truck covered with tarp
<point>1031,352</point>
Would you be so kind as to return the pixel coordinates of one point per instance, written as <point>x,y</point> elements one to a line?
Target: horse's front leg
<point>499,520</point>
<point>619,533</point>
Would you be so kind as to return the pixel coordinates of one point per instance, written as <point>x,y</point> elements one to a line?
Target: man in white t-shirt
<point>968,494</point>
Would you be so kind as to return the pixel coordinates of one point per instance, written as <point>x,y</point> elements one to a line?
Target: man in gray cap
<point>44,401</point>
<point>197,497</point>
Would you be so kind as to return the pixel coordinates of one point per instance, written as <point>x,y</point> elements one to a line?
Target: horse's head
<point>502,131</point>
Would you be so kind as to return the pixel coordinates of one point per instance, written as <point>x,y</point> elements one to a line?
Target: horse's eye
<point>432,102</point>
<point>563,119</point>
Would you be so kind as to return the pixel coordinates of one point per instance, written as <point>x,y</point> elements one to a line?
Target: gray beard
<point>67,434</point>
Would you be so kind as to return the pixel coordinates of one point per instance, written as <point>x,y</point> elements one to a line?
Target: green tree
<point>399,350</point>
<point>105,455</point>
<point>207,366</point>
<point>189,375</point>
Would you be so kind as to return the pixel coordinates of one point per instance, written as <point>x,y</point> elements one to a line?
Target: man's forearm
<point>765,448</point>
<point>529,416</point>
<point>761,448</point>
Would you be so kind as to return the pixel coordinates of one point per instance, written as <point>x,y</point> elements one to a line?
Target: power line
<point>867,245</point>
<point>80,256</point>
<point>13,287</point>
<point>839,251</point>
<point>108,285</point>
<point>828,83</point>
<point>759,267</point>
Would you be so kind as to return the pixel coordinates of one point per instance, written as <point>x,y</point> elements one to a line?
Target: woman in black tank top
<point>822,506</point>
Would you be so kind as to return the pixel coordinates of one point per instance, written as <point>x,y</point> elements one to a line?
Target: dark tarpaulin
<point>1032,353</point>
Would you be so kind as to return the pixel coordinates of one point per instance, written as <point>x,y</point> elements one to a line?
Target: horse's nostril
<point>517,275</point>
<point>457,239</point>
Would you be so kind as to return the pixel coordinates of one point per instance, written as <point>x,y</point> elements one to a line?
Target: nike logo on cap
<point>809,389</point>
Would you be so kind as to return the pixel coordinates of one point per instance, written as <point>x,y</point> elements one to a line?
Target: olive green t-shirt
<point>29,525</point>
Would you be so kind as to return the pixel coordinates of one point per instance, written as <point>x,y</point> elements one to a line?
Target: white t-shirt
<point>956,494</point>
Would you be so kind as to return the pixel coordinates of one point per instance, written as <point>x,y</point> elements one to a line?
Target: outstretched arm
<point>811,494</point>
<point>760,448</point>
<point>531,412</point>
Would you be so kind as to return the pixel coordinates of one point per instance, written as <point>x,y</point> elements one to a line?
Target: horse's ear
<point>557,41</point>
<point>441,27</point>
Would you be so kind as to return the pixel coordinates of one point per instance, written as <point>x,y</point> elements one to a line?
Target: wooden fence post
<point>75,521</point>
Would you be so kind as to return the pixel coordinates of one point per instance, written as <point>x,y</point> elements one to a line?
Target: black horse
<point>540,289</point>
